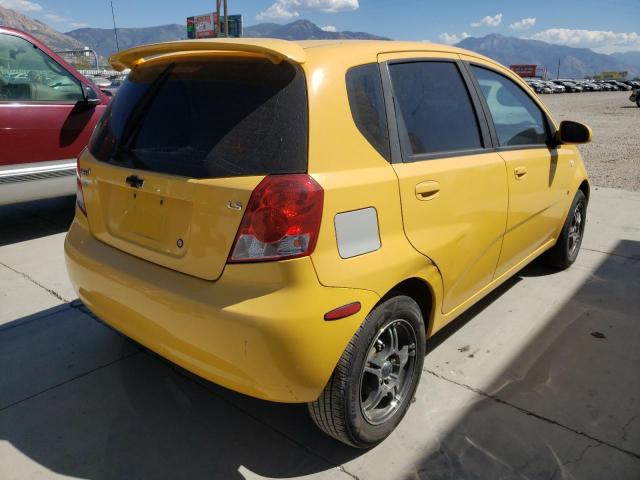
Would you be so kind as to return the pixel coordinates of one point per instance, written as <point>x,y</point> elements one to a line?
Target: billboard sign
<point>191,29</point>
<point>235,25</point>
<point>525,70</point>
<point>206,26</point>
<point>202,26</point>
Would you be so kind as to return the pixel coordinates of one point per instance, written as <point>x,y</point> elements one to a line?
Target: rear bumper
<point>258,330</point>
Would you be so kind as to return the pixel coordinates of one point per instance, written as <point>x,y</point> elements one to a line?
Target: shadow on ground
<point>130,414</point>
<point>29,220</point>
<point>577,376</point>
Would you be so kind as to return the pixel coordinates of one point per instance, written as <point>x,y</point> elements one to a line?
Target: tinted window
<point>205,119</point>
<point>435,107</point>
<point>517,118</point>
<point>364,87</point>
<point>29,74</point>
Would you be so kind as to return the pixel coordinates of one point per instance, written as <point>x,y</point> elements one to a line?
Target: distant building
<point>612,76</point>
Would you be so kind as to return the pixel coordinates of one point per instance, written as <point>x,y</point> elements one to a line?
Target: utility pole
<point>226,19</point>
<point>558,75</point>
<point>115,30</point>
<point>218,24</point>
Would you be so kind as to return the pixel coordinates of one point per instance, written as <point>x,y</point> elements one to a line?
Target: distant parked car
<point>620,85</point>
<point>112,88</point>
<point>539,87</point>
<point>569,86</point>
<point>99,81</point>
<point>47,113</point>
<point>555,87</point>
<point>606,86</point>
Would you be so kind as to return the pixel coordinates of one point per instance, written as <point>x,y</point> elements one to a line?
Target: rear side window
<point>517,119</point>
<point>435,108</point>
<point>364,88</point>
<point>208,118</point>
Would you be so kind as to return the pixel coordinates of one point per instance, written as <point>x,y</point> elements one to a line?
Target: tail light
<point>281,221</point>
<point>79,192</point>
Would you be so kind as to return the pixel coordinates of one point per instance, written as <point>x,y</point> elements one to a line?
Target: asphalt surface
<point>613,156</point>
<point>540,380</point>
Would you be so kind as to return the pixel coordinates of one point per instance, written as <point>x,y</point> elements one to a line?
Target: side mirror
<point>89,96</point>
<point>573,133</point>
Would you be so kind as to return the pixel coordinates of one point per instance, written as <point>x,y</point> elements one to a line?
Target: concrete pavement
<point>539,380</point>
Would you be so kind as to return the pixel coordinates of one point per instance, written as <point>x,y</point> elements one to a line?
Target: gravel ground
<point>613,156</point>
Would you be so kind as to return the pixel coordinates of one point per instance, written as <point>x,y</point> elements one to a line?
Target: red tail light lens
<point>281,221</point>
<point>79,192</point>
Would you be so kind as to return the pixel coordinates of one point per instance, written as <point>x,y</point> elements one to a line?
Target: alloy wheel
<point>386,378</point>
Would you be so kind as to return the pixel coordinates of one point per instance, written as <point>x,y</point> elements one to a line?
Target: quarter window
<point>364,88</point>
<point>517,118</point>
<point>29,74</point>
<point>435,113</point>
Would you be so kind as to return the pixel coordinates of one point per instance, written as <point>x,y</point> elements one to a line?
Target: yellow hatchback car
<point>294,220</point>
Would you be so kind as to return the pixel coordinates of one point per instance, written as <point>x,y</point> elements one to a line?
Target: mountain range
<point>53,38</point>
<point>574,62</point>
<point>102,40</point>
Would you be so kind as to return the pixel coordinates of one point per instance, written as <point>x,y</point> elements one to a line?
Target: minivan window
<point>517,119</point>
<point>435,108</point>
<point>208,118</point>
<point>364,88</point>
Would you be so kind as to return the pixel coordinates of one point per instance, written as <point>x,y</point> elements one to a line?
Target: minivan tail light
<point>281,221</point>
<point>79,192</point>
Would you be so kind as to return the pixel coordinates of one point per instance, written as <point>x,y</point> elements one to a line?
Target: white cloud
<point>600,41</point>
<point>21,5</point>
<point>288,9</point>
<point>489,21</point>
<point>523,24</point>
<point>78,25</point>
<point>329,28</point>
<point>55,18</point>
<point>453,39</point>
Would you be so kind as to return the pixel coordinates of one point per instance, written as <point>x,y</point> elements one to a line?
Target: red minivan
<point>47,113</point>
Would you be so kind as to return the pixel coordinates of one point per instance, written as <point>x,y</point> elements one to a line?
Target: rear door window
<point>517,118</point>
<point>208,118</point>
<point>434,109</point>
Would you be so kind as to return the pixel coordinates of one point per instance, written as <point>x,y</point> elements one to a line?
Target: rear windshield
<point>210,118</point>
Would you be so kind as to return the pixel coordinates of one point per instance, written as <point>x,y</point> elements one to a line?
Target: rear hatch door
<point>174,160</point>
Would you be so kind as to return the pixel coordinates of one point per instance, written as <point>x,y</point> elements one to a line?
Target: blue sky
<point>605,26</point>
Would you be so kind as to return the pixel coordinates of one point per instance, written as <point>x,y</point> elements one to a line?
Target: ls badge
<point>234,205</point>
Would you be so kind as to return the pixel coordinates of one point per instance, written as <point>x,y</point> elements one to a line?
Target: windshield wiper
<point>134,122</point>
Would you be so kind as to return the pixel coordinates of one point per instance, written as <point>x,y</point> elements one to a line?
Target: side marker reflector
<point>343,311</point>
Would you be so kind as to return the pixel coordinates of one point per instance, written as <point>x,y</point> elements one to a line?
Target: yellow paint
<point>460,225</point>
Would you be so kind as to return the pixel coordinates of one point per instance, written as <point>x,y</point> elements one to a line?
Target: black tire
<point>339,410</point>
<point>566,249</point>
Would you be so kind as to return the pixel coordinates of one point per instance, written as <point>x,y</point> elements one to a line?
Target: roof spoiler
<point>275,50</point>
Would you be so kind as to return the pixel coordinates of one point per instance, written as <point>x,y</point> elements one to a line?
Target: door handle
<point>427,190</point>
<point>520,172</point>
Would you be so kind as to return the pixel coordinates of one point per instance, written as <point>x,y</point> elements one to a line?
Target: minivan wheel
<point>375,380</point>
<point>566,249</point>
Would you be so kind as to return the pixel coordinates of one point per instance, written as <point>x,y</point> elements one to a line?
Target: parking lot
<point>613,158</point>
<point>539,380</point>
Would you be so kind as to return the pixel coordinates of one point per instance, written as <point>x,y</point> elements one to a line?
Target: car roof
<point>278,50</point>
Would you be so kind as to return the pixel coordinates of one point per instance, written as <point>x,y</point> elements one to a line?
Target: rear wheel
<point>566,249</point>
<point>376,378</point>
